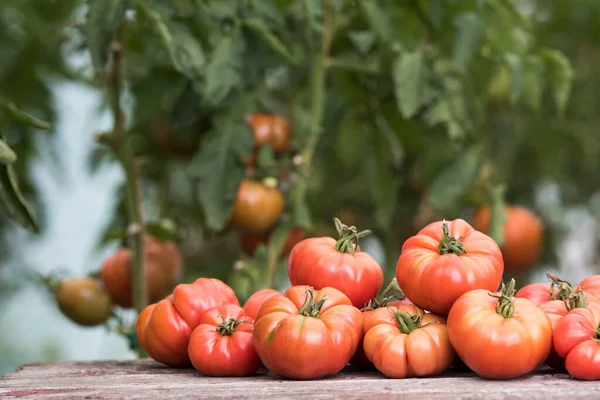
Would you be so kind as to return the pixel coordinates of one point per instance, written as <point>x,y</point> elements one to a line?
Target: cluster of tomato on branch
<point>335,313</point>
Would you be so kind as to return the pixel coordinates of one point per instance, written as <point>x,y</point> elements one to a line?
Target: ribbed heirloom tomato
<point>591,285</point>
<point>163,329</point>
<point>539,293</point>
<point>445,260</point>
<point>258,206</point>
<point>323,261</point>
<point>577,340</point>
<point>222,344</point>
<point>257,299</point>
<point>498,336</point>
<point>307,334</point>
<point>403,342</point>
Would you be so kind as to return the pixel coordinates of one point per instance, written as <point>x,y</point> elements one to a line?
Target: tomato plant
<point>164,328</point>
<point>222,344</point>
<point>163,264</point>
<point>258,207</point>
<point>256,300</point>
<point>307,333</point>
<point>523,235</point>
<point>249,241</point>
<point>323,261</point>
<point>403,344</point>
<point>499,336</point>
<point>445,260</point>
<point>83,301</point>
<point>577,340</point>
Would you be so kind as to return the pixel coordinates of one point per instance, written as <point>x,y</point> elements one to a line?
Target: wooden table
<point>145,379</point>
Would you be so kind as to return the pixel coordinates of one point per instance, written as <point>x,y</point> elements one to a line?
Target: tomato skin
<point>257,299</point>
<point>591,285</point>
<point>537,293</point>
<point>576,339</point>
<point>215,354</point>
<point>523,236</point>
<point>257,207</point>
<point>424,351</point>
<point>554,310</point>
<point>164,328</point>
<point>495,347</point>
<point>303,347</point>
<point>270,128</point>
<point>317,263</point>
<point>433,281</point>
<point>360,359</point>
<point>250,241</point>
<point>163,266</point>
<point>83,302</point>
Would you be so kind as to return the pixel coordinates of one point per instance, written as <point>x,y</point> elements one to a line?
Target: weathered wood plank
<point>145,379</point>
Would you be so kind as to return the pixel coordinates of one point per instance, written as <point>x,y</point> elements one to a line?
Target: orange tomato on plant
<point>444,261</point>
<point>258,206</point>
<point>270,128</point>
<point>83,301</point>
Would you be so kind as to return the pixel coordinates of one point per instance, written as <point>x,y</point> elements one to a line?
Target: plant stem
<point>123,150</point>
<point>271,263</point>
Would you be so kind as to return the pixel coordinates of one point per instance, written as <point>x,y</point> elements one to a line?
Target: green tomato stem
<point>505,306</point>
<point>565,287</point>
<point>348,237</point>
<point>407,322</point>
<point>228,326</point>
<point>449,244</point>
<point>310,308</point>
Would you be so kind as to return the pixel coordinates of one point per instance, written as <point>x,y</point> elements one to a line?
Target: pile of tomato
<point>452,307</point>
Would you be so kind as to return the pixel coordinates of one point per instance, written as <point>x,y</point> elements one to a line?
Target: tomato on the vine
<point>445,260</point>
<point>256,300</point>
<point>222,344</point>
<point>258,206</point>
<point>322,261</point>
<point>307,334</point>
<point>523,235</point>
<point>499,336</point>
<point>270,128</point>
<point>250,241</point>
<point>403,343</point>
<point>83,301</point>
<point>577,340</point>
<point>164,328</point>
<point>163,267</point>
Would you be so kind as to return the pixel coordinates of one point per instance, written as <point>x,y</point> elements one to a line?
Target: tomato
<point>322,261</point>
<point>164,329</point>
<point>405,344</point>
<point>222,344</point>
<point>270,128</point>
<point>255,301</point>
<point>83,301</point>
<point>250,241</point>
<point>591,285</point>
<point>498,336</point>
<point>577,340</point>
<point>445,260</point>
<point>539,293</point>
<point>523,236</point>
<point>163,266</point>
<point>257,207</point>
<point>307,334</point>
<point>170,143</point>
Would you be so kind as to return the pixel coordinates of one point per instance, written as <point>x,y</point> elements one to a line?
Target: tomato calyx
<point>597,334</point>
<point>348,237</point>
<point>505,306</point>
<point>407,322</point>
<point>576,300</point>
<point>310,308</point>
<point>391,292</point>
<point>565,289</point>
<point>450,244</point>
<point>228,326</point>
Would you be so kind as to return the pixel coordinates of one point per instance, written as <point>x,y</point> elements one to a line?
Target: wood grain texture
<point>146,379</point>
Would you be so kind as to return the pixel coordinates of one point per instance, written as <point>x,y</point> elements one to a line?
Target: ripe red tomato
<point>539,293</point>
<point>577,340</point>
<point>307,334</point>
<point>257,207</point>
<point>270,128</point>
<point>249,241</point>
<point>404,344</point>
<point>163,266</point>
<point>255,301</point>
<point>499,337</point>
<point>222,344</point>
<point>523,236</point>
<point>323,261</point>
<point>591,285</point>
<point>164,329</point>
<point>83,301</point>
<point>445,260</point>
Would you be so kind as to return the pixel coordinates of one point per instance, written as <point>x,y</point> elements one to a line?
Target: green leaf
<point>102,22</point>
<point>265,156</point>
<point>379,19</point>
<point>455,180</point>
<point>218,169</point>
<point>165,230</point>
<point>533,85</point>
<point>393,141</point>
<point>7,155</point>
<point>260,28</point>
<point>560,76</point>
<point>363,41</point>
<point>12,201</point>
<point>301,215</point>
<point>351,141</point>
<point>470,32</point>
<point>516,67</point>
<point>410,80</point>
<point>314,12</point>
<point>19,117</point>
<point>224,70</point>
<point>383,185</point>
<point>498,213</point>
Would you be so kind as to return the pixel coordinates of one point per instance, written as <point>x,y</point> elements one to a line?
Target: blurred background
<point>386,114</point>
